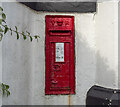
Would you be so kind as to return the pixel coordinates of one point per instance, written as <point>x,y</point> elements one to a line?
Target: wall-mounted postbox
<point>59,50</point>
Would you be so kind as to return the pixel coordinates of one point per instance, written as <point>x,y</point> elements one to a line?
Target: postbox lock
<point>56,67</point>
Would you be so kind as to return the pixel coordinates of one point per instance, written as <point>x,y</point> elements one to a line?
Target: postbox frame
<point>48,91</point>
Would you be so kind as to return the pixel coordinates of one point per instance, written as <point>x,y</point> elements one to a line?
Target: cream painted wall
<point>24,61</point>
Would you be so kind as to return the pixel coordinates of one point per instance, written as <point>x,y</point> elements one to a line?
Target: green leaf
<point>16,28</point>
<point>4,21</point>
<point>11,31</point>
<point>0,21</point>
<point>2,85</point>
<point>17,35</point>
<point>3,88</point>
<point>8,93</point>
<point>28,32</point>
<point>1,9</point>
<point>31,38</point>
<point>24,36</point>
<point>1,36</point>
<point>36,36</point>
<point>3,91</point>
<point>3,16</point>
<point>6,29</point>
<point>7,87</point>
<point>1,30</point>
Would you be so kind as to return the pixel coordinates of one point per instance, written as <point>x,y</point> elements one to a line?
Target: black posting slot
<point>60,32</point>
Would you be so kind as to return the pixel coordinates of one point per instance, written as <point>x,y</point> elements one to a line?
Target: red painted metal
<point>60,75</point>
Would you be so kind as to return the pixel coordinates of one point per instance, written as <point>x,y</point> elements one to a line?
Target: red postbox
<point>60,59</point>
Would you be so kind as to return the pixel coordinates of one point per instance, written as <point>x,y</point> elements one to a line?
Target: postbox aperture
<point>60,59</point>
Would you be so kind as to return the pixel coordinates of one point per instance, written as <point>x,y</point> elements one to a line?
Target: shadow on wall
<point>105,75</point>
<point>89,59</point>
<point>91,67</point>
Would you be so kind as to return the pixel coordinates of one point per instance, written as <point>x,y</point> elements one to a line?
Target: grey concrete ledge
<point>81,7</point>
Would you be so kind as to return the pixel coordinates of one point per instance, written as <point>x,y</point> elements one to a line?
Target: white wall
<point>0,71</point>
<point>0,67</point>
<point>119,45</point>
<point>106,27</point>
<point>24,61</point>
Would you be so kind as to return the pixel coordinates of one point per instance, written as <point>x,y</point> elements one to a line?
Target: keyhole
<point>55,67</point>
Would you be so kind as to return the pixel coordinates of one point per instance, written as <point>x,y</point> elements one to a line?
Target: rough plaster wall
<point>106,26</point>
<point>119,45</point>
<point>0,66</point>
<point>24,62</point>
<point>17,56</point>
<point>0,70</point>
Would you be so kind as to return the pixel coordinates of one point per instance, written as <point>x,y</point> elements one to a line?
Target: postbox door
<point>60,65</point>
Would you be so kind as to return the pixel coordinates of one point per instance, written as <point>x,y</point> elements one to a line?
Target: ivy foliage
<point>4,29</point>
<point>5,89</point>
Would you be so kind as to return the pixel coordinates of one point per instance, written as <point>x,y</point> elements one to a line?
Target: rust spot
<point>69,101</point>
